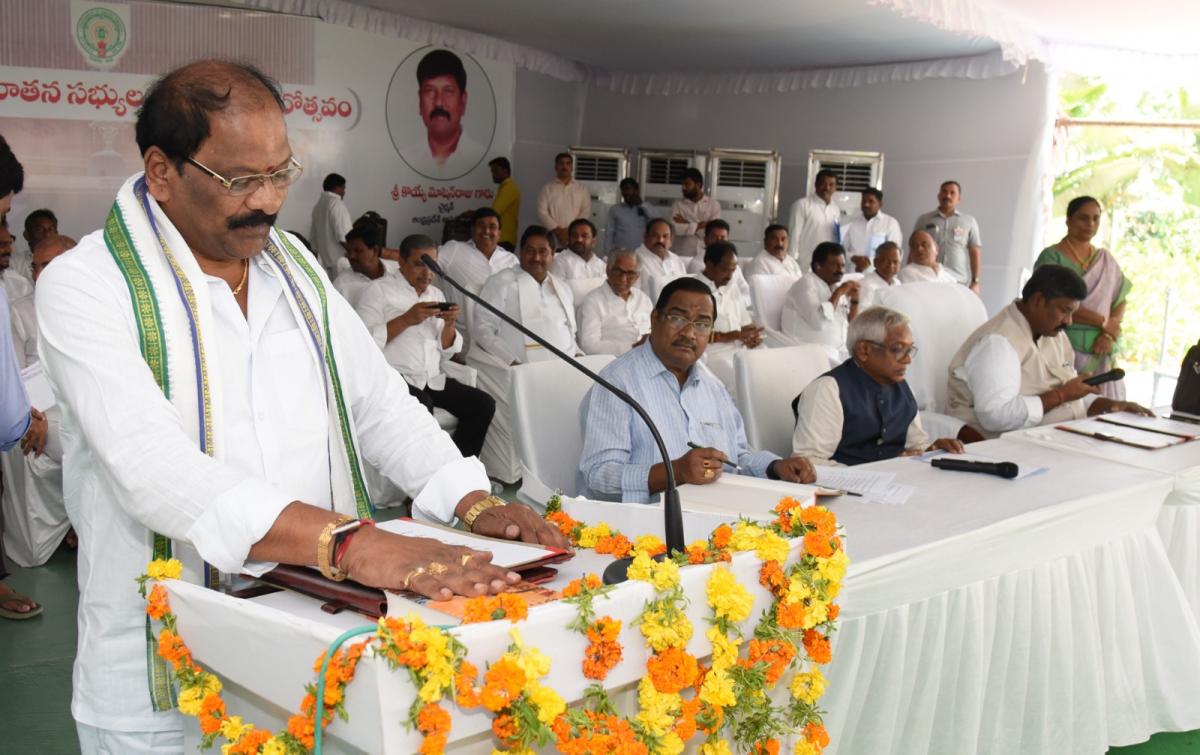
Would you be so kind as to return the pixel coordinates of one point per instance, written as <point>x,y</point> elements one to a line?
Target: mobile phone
<point>1105,377</point>
<point>445,305</point>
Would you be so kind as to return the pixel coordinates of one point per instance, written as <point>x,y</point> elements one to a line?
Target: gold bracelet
<point>325,550</point>
<point>481,506</point>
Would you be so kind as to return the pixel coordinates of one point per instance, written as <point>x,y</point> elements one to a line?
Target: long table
<point>983,616</point>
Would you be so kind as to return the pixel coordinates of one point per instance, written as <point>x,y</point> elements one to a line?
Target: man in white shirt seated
<point>562,200</point>
<point>714,231</point>
<point>15,285</point>
<point>863,410</point>
<point>472,262</point>
<point>615,317</point>
<point>819,307</point>
<point>1018,370</point>
<point>863,234</point>
<point>414,325</point>
<point>657,264</point>
<point>773,259</point>
<point>578,260</point>
<point>620,460</point>
<point>364,251</point>
<point>533,297</point>
<point>330,223</point>
<point>922,261</point>
<point>882,277</point>
<point>814,219</point>
<point>734,328</point>
<point>692,213</point>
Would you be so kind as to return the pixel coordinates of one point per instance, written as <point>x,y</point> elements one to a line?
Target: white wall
<point>986,134</point>
<point>549,116</point>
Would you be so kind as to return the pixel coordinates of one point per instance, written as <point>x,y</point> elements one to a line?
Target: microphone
<point>1105,377</point>
<point>672,512</point>
<point>1005,469</point>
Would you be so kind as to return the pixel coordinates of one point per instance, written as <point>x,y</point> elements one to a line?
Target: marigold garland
<point>678,698</point>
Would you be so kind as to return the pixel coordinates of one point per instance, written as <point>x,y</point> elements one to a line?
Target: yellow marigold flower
<point>816,613</point>
<point>804,747</point>
<point>833,569</point>
<point>233,728</point>
<point>798,591</point>
<point>727,597</point>
<point>772,547</point>
<point>649,544</point>
<point>664,574</point>
<point>549,703</point>
<point>273,747</point>
<point>190,700</point>
<point>662,631</point>
<point>589,535</point>
<point>808,687</point>
<point>745,536</point>
<point>670,744</point>
<point>716,747</point>
<point>642,567</point>
<point>724,648</point>
<point>717,689</point>
<point>210,684</point>
<point>168,569</point>
<point>656,709</point>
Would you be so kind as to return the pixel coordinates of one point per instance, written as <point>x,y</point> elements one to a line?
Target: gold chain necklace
<point>1075,253</point>
<point>245,277</point>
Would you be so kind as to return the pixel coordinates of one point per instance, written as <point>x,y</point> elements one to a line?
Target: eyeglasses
<point>679,322</point>
<point>280,179</point>
<point>897,352</point>
<point>624,273</point>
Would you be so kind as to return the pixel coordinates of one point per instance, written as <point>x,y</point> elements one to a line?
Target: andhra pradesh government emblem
<point>101,35</point>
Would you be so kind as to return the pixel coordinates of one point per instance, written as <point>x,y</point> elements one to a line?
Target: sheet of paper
<point>505,553</point>
<point>892,494</point>
<point>1162,424</point>
<point>1120,433</point>
<point>38,387</point>
<point>862,481</point>
<point>1024,469</point>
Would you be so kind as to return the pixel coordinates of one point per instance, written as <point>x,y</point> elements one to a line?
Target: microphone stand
<point>672,511</point>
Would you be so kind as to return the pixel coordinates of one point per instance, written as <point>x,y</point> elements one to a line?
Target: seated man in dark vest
<point>862,410</point>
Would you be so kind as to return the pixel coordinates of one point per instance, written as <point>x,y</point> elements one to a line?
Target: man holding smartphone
<point>414,325</point>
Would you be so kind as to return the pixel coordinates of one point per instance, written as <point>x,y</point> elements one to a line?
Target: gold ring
<point>466,559</point>
<point>408,578</point>
<point>437,569</point>
<point>708,474</point>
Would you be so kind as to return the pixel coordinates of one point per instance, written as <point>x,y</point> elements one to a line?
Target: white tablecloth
<point>1179,520</point>
<point>997,616</point>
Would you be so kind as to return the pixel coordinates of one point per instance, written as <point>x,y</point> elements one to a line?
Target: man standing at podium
<point>220,398</point>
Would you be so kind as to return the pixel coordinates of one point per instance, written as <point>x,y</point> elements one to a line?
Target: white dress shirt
<point>819,425</point>
<point>913,273</point>
<point>810,222</point>
<point>129,468</point>
<point>330,224</point>
<point>463,262</point>
<point>689,235</point>
<point>462,160</point>
<point>554,307</point>
<point>860,236</point>
<point>16,286</point>
<point>24,330</point>
<point>609,324</point>
<point>568,265</point>
<point>809,316</point>
<point>416,353</point>
<point>871,287</point>
<point>765,263</point>
<point>653,268</point>
<point>695,267</point>
<point>351,284</point>
<point>558,204</point>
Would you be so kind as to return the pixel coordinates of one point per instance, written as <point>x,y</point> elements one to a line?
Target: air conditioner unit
<point>660,172</point>
<point>855,171</point>
<point>601,169</point>
<point>746,183</point>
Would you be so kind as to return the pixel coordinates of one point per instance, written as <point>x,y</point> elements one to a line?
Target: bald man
<point>922,261</point>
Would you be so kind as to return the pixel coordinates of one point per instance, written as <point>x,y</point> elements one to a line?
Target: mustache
<point>686,342</point>
<point>439,111</point>
<point>251,220</point>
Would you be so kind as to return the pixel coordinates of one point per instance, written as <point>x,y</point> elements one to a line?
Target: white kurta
<point>655,272</point>
<point>568,265</point>
<point>810,222</point>
<point>733,313</point>
<point>16,286</point>
<point>547,309</point>
<point>330,224</point>
<point>871,287</point>
<point>913,273</point>
<point>860,236</point>
<point>463,262</point>
<point>695,267</point>
<point>416,353</point>
<point>609,324</point>
<point>351,284</point>
<point>765,263</point>
<point>809,316</point>
<point>130,468</point>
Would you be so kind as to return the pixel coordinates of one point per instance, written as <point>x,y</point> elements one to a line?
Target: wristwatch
<point>481,506</point>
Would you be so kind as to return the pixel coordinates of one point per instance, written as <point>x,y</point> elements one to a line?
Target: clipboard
<point>1115,439</point>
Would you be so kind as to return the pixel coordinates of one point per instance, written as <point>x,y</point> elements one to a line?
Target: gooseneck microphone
<point>1005,469</point>
<point>672,512</point>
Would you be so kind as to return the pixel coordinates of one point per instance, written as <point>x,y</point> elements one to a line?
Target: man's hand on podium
<point>516,521</point>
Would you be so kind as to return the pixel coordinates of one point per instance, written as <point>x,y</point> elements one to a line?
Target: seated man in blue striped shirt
<point>620,460</point>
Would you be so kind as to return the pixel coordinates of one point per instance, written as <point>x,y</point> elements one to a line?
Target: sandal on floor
<point>9,613</point>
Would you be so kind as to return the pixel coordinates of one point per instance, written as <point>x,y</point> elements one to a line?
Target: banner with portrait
<point>411,127</point>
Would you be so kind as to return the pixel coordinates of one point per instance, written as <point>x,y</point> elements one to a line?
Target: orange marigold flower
<point>156,603</point>
<point>433,744</point>
<point>465,693</point>
<point>816,735</point>
<point>772,577</point>
<point>685,725</point>
<point>302,728</point>
<point>789,615</point>
<point>672,670</point>
<point>616,545</point>
<point>777,654</point>
<point>172,649</point>
<point>767,747</point>
<point>697,554</point>
<point>504,727</point>
<point>721,536</point>
<point>820,519</point>
<point>433,719</point>
<point>817,544</point>
<point>834,611</point>
<point>212,713</point>
<point>502,683</point>
<point>250,742</point>
<point>515,606</point>
<point>478,609</point>
<point>817,646</point>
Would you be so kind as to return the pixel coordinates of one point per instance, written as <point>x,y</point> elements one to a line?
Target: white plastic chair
<point>767,295</point>
<point>942,318</point>
<point>545,398</point>
<point>767,381</point>
<point>581,287</point>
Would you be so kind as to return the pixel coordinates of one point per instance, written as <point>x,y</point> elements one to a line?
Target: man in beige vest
<point>1017,369</point>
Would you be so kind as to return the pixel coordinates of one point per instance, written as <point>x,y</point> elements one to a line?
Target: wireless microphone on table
<point>1005,469</point>
<point>672,512</point>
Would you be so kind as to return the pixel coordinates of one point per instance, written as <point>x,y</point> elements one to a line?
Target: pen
<point>726,462</point>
